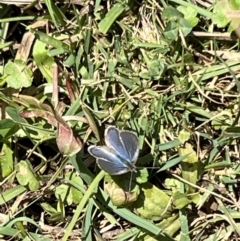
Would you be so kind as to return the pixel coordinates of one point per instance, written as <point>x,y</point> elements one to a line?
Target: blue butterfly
<point>120,153</point>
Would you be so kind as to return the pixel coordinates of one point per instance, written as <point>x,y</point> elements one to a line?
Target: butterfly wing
<point>131,144</point>
<point>114,141</point>
<point>108,160</point>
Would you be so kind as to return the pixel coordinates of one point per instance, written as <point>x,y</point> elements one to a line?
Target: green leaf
<point>76,194</point>
<point>7,44</point>
<point>55,215</point>
<point>222,121</point>
<point>235,4</point>
<point>15,232</point>
<point>143,176</point>
<point>63,191</point>
<point>169,145</point>
<point>6,161</point>
<point>43,60</point>
<point>171,14</point>
<point>219,13</point>
<point>173,184</point>
<point>190,14</point>
<point>55,13</point>
<point>153,68</point>
<point>7,129</point>
<point>72,176</point>
<point>11,194</point>
<point>152,203</point>
<point>67,193</point>
<point>48,208</point>
<point>14,114</point>
<point>171,31</point>
<point>185,27</point>
<point>51,40</point>
<point>190,166</point>
<point>17,74</point>
<point>171,224</point>
<point>60,208</point>
<point>110,17</point>
<point>172,162</point>
<point>232,132</point>
<point>184,136</point>
<point>180,200</point>
<point>25,175</point>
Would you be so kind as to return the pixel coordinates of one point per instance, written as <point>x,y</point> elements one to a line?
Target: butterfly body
<point>120,153</point>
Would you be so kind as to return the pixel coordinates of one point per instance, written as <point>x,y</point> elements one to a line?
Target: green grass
<point>69,70</point>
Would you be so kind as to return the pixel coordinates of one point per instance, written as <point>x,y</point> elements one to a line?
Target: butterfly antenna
<point>148,167</point>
